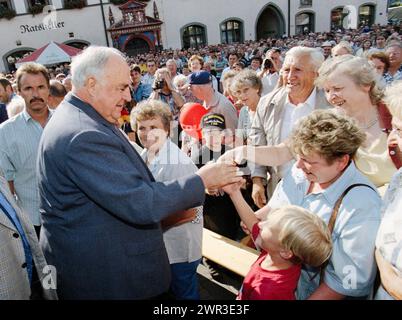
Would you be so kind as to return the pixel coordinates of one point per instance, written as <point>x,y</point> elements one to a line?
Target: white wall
<point>178,13</point>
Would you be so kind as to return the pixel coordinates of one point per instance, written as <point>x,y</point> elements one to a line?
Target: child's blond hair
<point>303,233</point>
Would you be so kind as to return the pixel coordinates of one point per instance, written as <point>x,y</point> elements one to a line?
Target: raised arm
<point>262,155</point>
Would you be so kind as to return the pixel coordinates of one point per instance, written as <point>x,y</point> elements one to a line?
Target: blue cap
<point>200,77</point>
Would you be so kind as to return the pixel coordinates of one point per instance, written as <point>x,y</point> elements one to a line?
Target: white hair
<point>91,62</point>
<point>180,78</point>
<point>15,106</point>
<point>316,56</point>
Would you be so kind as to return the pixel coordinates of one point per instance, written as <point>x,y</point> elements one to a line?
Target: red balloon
<point>190,119</point>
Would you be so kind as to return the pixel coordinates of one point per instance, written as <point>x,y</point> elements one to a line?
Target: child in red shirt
<point>288,237</point>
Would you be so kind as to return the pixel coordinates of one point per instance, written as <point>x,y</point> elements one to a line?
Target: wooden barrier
<point>228,253</point>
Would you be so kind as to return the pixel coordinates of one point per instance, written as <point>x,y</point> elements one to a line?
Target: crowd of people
<point>294,148</point>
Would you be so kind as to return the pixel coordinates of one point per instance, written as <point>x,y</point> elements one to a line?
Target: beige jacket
<point>266,129</point>
<point>14,283</point>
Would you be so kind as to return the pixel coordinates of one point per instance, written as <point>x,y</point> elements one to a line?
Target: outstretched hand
<point>217,175</point>
<point>235,155</point>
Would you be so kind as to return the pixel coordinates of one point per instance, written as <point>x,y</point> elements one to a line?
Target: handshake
<point>229,169</point>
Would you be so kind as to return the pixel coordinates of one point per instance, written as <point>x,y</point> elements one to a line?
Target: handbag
<point>178,218</point>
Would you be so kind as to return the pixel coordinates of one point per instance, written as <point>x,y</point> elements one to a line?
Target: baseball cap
<point>213,120</point>
<point>200,77</point>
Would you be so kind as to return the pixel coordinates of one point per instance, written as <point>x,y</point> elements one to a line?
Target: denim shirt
<point>351,269</point>
<point>142,93</point>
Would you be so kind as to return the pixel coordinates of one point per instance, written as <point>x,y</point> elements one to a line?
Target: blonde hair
<point>358,69</point>
<point>227,76</point>
<point>246,78</point>
<point>303,233</point>
<point>327,133</point>
<point>393,99</point>
<point>151,109</point>
<point>193,58</point>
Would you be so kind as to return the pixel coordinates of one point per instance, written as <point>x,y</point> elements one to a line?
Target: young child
<point>287,238</point>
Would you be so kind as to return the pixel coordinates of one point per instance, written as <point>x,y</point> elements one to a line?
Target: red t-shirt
<point>261,284</point>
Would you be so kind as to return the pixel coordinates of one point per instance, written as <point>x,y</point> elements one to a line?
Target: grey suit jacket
<point>266,127</point>
<point>14,283</point>
<point>101,208</point>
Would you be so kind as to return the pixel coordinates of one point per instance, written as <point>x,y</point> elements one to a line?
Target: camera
<point>268,64</point>
<point>158,84</point>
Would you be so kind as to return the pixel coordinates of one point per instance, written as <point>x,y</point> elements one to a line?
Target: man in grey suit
<point>101,208</point>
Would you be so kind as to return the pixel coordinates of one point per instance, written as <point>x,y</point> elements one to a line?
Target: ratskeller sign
<point>42,27</point>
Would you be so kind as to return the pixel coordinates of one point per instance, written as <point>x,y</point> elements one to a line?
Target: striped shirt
<point>19,142</point>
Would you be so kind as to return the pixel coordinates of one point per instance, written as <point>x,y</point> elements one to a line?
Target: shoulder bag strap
<point>334,215</point>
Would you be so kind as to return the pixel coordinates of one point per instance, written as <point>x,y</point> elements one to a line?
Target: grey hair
<point>343,44</point>
<point>91,62</point>
<point>180,78</point>
<point>316,56</point>
<point>15,106</point>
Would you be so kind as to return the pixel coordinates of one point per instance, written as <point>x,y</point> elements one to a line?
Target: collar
<point>214,102</point>
<point>334,191</point>
<point>86,108</point>
<point>310,102</point>
<point>162,153</point>
<point>28,117</point>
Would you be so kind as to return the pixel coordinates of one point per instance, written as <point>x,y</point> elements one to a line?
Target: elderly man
<point>326,49</point>
<point>101,207</point>
<point>394,52</point>
<point>19,138</point>
<point>172,68</point>
<point>214,101</point>
<point>278,112</point>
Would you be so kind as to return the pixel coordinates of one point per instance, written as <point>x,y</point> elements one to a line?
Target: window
<point>306,3</point>
<point>231,31</point>
<point>337,17</point>
<point>304,23</point>
<point>32,3</point>
<point>74,4</point>
<point>366,15</point>
<point>5,4</point>
<point>194,36</point>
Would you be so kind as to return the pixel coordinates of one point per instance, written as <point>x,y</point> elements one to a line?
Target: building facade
<point>138,26</point>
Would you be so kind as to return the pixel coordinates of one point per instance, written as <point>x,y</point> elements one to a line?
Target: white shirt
<point>183,242</point>
<point>291,115</point>
<point>269,82</point>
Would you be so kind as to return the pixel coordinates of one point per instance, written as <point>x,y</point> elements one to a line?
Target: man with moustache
<point>278,112</point>
<point>19,139</point>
